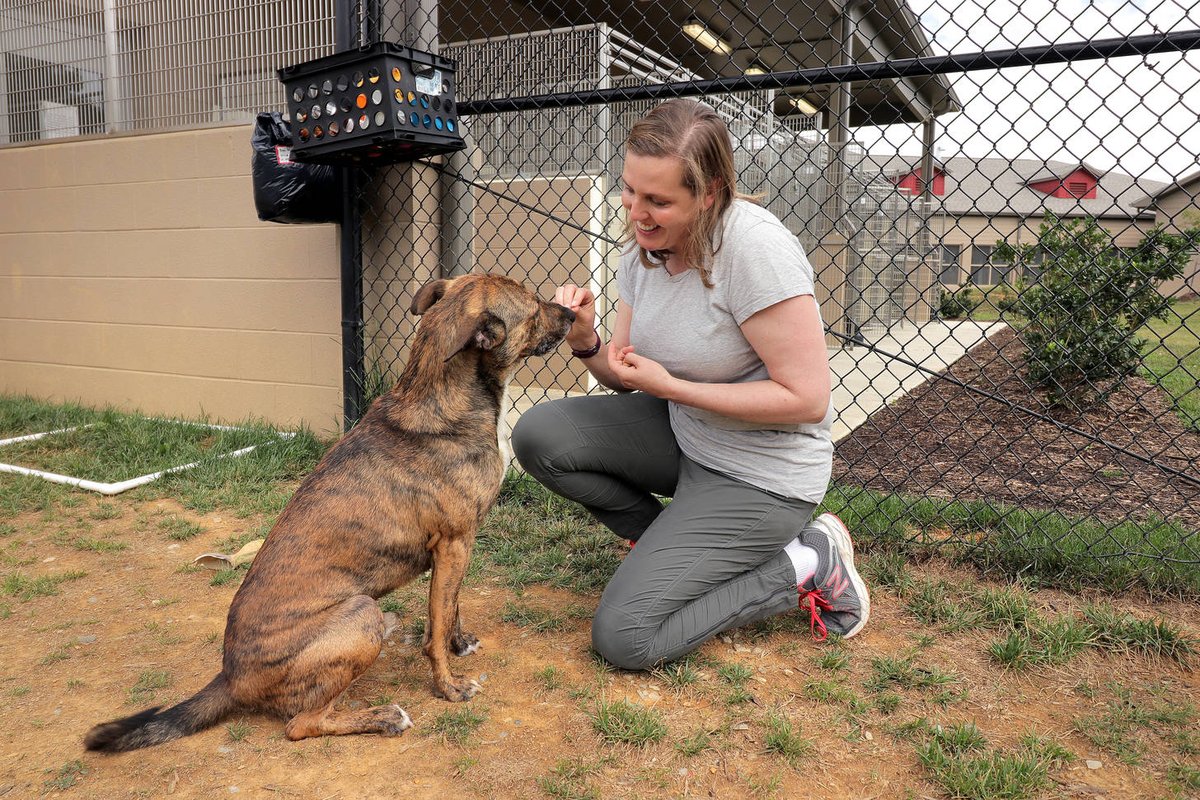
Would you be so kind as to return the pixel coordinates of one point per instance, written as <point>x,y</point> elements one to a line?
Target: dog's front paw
<point>463,644</point>
<point>458,690</point>
<point>389,720</point>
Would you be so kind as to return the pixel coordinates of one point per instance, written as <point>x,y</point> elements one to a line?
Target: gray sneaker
<point>835,596</point>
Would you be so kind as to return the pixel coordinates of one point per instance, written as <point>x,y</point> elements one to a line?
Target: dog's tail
<point>203,710</point>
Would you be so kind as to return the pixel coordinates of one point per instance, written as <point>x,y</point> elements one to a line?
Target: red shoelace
<point>815,602</point>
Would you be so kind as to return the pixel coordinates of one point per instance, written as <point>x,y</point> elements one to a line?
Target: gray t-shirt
<point>695,333</point>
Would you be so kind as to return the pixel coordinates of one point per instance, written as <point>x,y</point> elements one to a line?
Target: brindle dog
<point>404,491</point>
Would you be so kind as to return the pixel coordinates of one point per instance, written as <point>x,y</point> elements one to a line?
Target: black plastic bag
<point>286,190</point>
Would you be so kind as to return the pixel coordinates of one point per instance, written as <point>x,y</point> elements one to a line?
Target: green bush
<point>956,305</point>
<point>1009,299</point>
<point>1083,310</point>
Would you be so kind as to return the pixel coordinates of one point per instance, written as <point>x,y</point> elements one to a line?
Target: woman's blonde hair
<point>693,133</point>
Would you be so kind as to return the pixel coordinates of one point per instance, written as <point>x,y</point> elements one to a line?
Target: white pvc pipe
<point>35,436</point>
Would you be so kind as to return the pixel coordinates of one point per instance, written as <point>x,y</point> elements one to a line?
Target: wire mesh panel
<point>74,69</point>
<point>1001,203</point>
<point>934,203</point>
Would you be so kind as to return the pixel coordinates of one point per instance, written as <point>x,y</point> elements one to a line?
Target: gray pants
<point>710,560</point>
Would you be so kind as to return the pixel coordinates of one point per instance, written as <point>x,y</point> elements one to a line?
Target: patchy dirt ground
<point>139,629</point>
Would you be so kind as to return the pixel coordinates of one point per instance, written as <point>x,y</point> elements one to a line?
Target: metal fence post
<point>347,35</point>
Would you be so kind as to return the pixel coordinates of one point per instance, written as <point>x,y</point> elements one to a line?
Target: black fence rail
<point>1002,213</point>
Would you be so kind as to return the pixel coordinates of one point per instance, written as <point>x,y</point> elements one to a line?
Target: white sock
<point>804,559</point>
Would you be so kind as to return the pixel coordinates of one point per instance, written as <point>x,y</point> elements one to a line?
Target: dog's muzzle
<point>551,340</point>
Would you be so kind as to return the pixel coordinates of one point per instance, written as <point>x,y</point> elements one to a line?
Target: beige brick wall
<point>1177,212</point>
<point>966,231</point>
<point>135,272</point>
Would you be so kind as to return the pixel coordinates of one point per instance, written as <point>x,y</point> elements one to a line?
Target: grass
<point>21,415</point>
<point>1035,640</point>
<point>625,723</point>
<point>929,601</point>
<point>1172,358</point>
<point>239,731</point>
<point>833,660</point>
<point>678,674</point>
<point>695,744</point>
<point>226,576</point>
<point>1044,642</point>
<point>550,677</point>
<point>535,537</point>
<point>887,702</point>
<point>567,780</point>
<point>457,726</point>
<point>1129,717</point>
<point>958,758</point>
<point>1113,630</point>
<point>1007,607</point>
<point>25,589</point>
<point>64,777</point>
<point>992,299</point>
<point>179,529</point>
<point>147,686</point>
<point>1150,554</point>
<point>536,619</point>
<point>103,511</point>
<point>1184,776</point>
<point>83,543</point>
<point>889,671</point>
<point>127,445</point>
<point>784,740</point>
<point>116,446</point>
<point>736,675</point>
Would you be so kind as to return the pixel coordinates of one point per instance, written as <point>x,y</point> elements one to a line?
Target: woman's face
<point>660,207</point>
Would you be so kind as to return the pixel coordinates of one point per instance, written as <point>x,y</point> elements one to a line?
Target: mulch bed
<point>943,440</point>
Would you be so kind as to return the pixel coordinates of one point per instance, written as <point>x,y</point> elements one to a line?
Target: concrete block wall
<point>134,271</point>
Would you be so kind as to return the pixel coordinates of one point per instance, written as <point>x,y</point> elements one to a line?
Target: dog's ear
<point>487,332</point>
<point>427,295</point>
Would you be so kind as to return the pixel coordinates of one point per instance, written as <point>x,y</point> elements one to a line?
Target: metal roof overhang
<point>784,38</point>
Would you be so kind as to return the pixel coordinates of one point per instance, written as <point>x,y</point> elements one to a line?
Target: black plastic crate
<point>379,104</point>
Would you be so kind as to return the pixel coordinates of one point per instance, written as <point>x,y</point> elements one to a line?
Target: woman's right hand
<point>580,300</point>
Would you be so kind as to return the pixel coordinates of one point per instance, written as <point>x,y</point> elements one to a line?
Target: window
<point>984,270</point>
<point>951,274</point>
<point>1077,188</point>
<point>981,268</point>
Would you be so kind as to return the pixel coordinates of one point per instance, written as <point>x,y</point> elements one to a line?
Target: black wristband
<point>591,351</point>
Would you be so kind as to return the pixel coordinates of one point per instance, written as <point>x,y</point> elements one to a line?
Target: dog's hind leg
<point>450,557</point>
<point>341,650</point>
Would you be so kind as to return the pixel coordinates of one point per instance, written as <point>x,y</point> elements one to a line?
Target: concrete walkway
<point>865,379</point>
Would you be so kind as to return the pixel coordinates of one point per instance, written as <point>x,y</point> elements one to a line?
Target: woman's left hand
<point>640,373</point>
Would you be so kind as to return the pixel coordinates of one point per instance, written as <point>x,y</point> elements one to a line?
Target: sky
<point>1138,116</point>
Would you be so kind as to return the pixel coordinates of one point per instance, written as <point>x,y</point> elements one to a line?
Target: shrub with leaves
<point>958,304</point>
<point>1085,308</point>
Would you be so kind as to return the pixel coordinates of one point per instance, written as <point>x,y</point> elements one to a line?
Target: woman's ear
<point>710,197</point>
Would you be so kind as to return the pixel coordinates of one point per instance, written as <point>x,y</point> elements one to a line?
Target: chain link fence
<point>941,166</point>
<point>1000,201</point>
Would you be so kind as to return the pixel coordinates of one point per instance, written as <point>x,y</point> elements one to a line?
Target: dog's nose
<point>568,313</point>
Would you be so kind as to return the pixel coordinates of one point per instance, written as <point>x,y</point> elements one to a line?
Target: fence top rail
<point>924,66</point>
